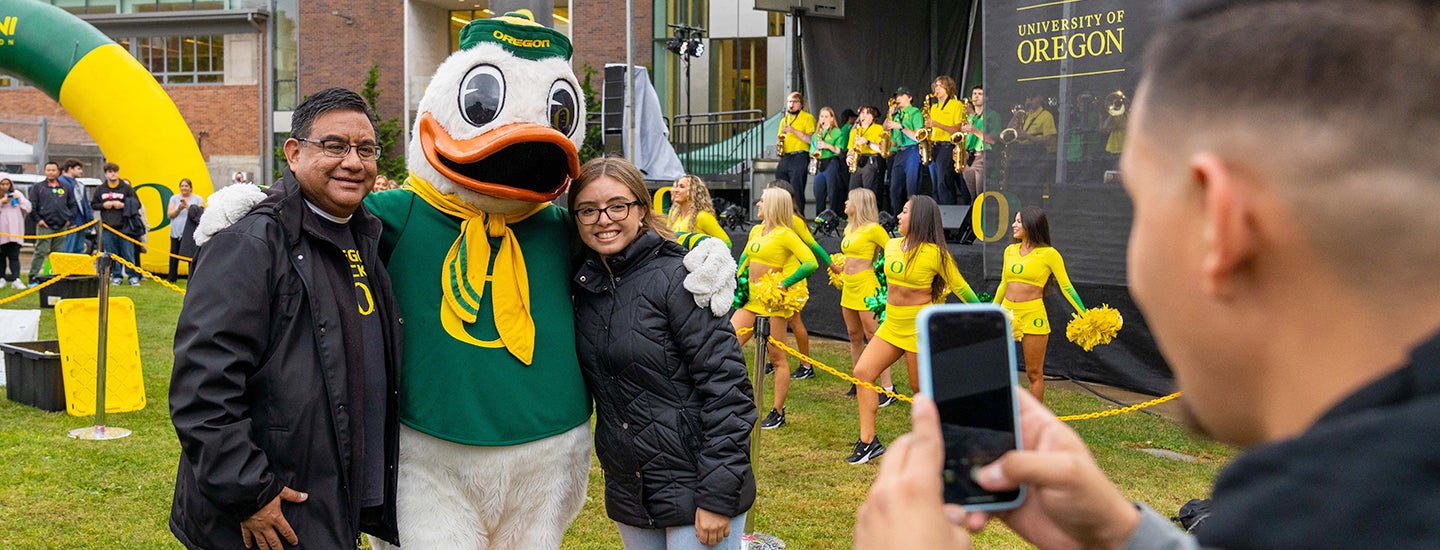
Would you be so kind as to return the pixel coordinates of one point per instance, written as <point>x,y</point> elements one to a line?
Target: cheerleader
<point>863,242</point>
<point>773,246</point>
<point>1029,264</point>
<point>693,211</point>
<point>919,271</point>
<point>802,288</point>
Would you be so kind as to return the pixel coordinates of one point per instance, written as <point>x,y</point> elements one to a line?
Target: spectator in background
<point>52,208</point>
<point>179,213</point>
<point>70,173</point>
<point>117,204</point>
<point>13,208</point>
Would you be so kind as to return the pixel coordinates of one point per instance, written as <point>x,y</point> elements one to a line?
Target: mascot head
<point>501,121</point>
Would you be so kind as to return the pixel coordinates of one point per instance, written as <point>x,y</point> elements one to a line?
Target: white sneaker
<point>17,284</point>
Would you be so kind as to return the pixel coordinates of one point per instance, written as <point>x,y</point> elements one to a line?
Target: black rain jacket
<point>259,390</point>
<point>673,398</point>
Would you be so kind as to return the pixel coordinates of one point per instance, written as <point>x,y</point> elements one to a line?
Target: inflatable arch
<point>115,98</point>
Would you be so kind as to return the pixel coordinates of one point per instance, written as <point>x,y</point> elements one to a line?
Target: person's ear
<point>292,152</point>
<point>1228,222</point>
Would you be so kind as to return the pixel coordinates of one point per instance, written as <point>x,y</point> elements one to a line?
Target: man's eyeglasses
<point>616,213</point>
<point>335,148</point>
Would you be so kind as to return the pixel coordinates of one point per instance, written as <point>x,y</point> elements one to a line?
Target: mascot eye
<point>562,106</point>
<point>482,94</point>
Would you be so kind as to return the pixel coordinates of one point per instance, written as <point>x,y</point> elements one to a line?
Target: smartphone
<point>967,365</point>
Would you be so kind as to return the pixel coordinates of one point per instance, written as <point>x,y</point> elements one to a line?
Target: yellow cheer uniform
<point>802,122</point>
<point>861,245</point>
<point>705,224</point>
<point>949,114</point>
<point>802,287</point>
<point>916,269</point>
<point>874,133</point>
<point>1034,268</point>
<point>776,249</point>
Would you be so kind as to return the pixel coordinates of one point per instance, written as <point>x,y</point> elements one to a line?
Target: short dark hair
<point>848,115</point>
<point>112,167</point>
<point>980,87</point>
<point>324,101</point>
<point>52,163</point>
<point>70,163</point>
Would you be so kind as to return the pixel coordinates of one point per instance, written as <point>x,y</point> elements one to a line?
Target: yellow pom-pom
<point>1014,326</point>
<point>1093,327</point>
<point>836,279</point>
<point>784,302</point>
<point>838,260</point>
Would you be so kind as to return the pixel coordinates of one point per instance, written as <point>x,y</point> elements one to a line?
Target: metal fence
<point>716,144</point>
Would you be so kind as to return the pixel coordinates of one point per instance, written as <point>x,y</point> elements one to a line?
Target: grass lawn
<point>64,493</point>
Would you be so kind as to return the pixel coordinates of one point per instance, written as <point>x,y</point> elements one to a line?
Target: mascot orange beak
<point>520,161</point>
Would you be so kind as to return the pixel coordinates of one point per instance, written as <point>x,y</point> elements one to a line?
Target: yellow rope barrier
<point>147,274</point>
<point>138,243</point>
<point>54,279</point>
<point>876,388</point>
<point>53,235</point>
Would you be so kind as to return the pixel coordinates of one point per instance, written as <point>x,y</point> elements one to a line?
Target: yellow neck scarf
<point>467,269</point>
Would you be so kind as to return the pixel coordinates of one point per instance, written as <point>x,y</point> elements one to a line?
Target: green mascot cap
<point>519,34</point>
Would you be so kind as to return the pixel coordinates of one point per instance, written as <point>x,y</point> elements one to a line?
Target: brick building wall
<point>334,53</point>
<point>598,29</point>
<point>227,114</point>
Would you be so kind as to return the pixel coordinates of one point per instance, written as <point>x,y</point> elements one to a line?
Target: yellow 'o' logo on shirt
<point>754,247</point>
<point>845,243</point>
<point>897,266</point>
<point>1017,268</point>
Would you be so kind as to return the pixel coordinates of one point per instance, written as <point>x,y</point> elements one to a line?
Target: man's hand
<point>1069,502</point>
<point>890,125</point>
<point>41,223</point>
<point>710,527</point>
<point>268,526</point>
<point>905,509</point>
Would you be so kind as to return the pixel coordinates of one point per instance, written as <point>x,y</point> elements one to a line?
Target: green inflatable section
<point>42,42</point>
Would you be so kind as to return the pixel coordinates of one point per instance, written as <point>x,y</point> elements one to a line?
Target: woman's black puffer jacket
<point>673,398</point>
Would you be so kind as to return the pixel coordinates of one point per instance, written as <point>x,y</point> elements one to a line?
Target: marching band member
<point>829,143</point>
<point>905,180</point>
<point>693,211</point>
<point>796,128</point>
<point>982,128</point>
<point>946,118</point>
<point>863,146</point>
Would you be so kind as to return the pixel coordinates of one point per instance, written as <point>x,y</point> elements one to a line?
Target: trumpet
<point>922,135</point>
<point>885,139</point>
<point>1115,103</point>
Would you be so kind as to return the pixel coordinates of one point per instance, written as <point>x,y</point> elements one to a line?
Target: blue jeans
<point>75,242</point>
<point>829,190</point>
<point>117,245</point>
<point>678,538</point>
<point>905,182</point>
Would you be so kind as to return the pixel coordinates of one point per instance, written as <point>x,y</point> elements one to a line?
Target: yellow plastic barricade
<point>79,265</point>
<point>76,321</point>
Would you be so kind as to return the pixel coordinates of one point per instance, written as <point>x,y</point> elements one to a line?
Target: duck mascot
<point>494,436</point>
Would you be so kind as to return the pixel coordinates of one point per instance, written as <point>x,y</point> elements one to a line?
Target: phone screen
<point>972,374</point>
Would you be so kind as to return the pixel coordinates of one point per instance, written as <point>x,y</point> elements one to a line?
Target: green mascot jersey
<point>462,392</point>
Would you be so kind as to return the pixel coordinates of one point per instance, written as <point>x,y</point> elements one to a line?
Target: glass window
<point>103,6</point>
<point>740,65</point>
<point>776,26</point>
<point>286,52</point>
<point>7,81</point>
<point>181,59</point>
<point>73,6</point>
<point>458,20</point>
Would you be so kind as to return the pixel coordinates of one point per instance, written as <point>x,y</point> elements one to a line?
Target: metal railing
<point>718,143</point>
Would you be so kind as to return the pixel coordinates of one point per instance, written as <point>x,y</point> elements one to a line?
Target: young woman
<point>829,143</point>
<point>13,208</point>
<point>1029,264</point>
<point>673,403</point>
<point>864,241</point>
<point>796,323</point>
<point>179,213</point>
<point>773,246</point>
<point>920,272</point>
<point>693,211</point>
<point>864,143</point>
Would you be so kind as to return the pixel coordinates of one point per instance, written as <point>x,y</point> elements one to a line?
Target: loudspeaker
<point>612,109</point>
<point>955,218</point>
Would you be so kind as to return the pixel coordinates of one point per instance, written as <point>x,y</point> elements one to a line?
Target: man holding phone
<point>1270,263</point>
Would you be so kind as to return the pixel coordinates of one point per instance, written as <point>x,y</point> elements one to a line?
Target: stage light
<point>888,222</point>
<point>828,223</point>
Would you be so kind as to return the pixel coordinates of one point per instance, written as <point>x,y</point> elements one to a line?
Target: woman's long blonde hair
<point>777,208</point>
<point>628,175</point>
<point>866,211</point>
<point>699,202</point>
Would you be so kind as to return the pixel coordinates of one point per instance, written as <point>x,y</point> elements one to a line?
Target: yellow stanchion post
<point>751,539</point>
<point>100,432</point>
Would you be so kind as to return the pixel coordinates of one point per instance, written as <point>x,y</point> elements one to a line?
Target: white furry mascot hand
<point>225,207</point>
<point>712,276</point>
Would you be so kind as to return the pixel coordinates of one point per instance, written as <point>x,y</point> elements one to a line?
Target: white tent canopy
<point>14,151</point>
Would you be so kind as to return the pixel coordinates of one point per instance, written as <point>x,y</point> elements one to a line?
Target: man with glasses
<point>285,356</point>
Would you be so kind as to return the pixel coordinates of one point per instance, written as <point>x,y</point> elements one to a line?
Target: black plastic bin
<point>70,287</point>
<point>32,374</point>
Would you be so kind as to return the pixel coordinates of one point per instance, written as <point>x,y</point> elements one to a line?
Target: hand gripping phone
<point>967,365</point>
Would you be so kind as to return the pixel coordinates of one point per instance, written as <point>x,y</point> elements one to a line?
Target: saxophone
<point>922,135</point>
<point>780,139</point>
<point>885,140</point>
<point>957,154</point>
<point>852,157</point>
